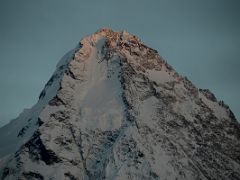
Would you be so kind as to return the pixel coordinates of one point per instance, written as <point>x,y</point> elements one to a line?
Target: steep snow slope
<point>114,109</point>
<point>19,130</point>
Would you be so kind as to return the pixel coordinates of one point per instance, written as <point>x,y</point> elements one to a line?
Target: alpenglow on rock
<point>114,109</point>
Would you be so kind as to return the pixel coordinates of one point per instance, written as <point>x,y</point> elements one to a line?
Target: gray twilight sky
<point>199,38</point>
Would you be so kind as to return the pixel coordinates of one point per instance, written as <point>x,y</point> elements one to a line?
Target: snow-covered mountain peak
<point>114,109</point>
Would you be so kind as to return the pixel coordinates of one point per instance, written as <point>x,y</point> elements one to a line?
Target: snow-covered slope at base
<point>117,110</point>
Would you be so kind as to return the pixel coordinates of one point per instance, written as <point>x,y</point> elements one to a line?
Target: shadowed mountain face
<point>114,109</point>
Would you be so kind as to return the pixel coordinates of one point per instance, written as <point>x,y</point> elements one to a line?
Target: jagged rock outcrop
<point>114,109</point>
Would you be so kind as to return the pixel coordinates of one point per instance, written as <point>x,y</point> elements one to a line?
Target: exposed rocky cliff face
<point>114,109</point>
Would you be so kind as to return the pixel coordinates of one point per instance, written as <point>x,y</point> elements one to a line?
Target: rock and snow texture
<point>114,109</point>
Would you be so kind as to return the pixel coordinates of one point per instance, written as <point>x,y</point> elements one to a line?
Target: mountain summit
<point>114,109</point>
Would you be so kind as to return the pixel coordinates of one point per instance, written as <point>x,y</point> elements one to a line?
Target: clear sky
<point>199,38</point>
